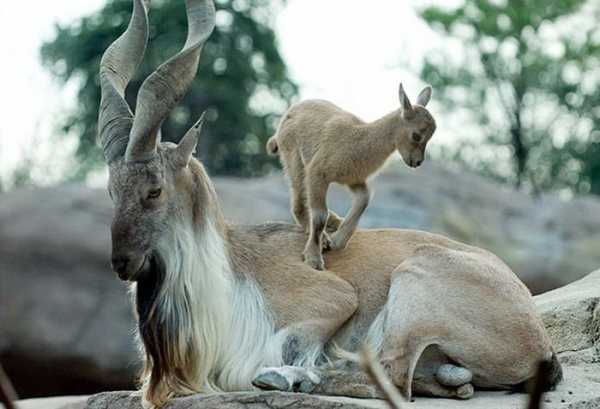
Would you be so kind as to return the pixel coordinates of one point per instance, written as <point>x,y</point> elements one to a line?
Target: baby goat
<point>319,143</point>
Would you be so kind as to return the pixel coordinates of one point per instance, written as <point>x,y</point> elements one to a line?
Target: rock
<point>61,402</point>
<point>576,392</point>
<point>65,320</point>
<point>571,314</point>
<point>240,400</point>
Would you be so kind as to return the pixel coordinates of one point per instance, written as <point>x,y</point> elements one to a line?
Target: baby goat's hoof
<point>325,242</point>
<point>337,242</point>
<point>315,262</point>
<point>333,222</point>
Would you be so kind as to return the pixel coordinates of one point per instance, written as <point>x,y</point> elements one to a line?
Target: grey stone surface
<point>572,314</point>
<point>579,390</point>
<point>59,402</point>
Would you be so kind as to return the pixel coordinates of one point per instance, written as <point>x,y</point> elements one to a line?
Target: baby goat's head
<point>416,129</point>
<point>152,184</point>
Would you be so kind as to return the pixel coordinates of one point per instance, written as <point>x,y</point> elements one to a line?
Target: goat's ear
<point>424,96</point>
<point>187,145</point>
<point>405,105</point>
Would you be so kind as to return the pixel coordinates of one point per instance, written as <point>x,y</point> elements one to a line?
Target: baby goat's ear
<point>187,145</point>
<point>405,104</point>
<point>424,96</point>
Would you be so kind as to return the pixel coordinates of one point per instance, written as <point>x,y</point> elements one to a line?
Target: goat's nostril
<point>119,264</point>
<point>419,162</point>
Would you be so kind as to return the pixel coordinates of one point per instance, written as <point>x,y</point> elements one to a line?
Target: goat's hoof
<point>465,392</point>
<point>336,242</point>
<point>287,379</point>
<point>272,381</point>
<point>452,375</point>
<point>326,242</point>
<point>333,223</point>
<point>306,386</point>
<point>315,262</point>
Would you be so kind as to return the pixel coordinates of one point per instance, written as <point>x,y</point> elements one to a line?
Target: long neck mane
<point>203,327</point>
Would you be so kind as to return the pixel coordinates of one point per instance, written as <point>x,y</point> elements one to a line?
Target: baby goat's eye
<point>416,137</point>
<point>154,193</point>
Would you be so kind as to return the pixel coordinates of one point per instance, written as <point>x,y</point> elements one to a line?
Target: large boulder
<point>65,320</point>
<point>571,315</point>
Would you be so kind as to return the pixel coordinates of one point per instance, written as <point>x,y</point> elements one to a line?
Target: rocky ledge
<point>571,315</point>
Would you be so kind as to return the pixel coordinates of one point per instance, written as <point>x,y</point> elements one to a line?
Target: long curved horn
<point>162,90</point>
<point>118,65</point>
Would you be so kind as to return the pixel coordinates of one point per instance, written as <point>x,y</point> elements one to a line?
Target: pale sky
<point>340,50</point>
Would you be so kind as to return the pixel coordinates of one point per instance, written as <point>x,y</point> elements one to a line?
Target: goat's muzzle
<point>129,267</point>
<point>415,163</point>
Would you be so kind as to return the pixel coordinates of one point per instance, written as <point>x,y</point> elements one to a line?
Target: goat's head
<point>417,127</point>
<point>150,182</point>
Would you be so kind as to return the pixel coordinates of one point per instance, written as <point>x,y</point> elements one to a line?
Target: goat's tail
<point>370,364</point>
<point>555,373</point>
<point>272,147</point>
<point>548,375</point>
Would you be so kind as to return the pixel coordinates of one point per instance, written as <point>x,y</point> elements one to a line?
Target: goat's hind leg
<point>435,376</point>
<point>411,336</point>
<point>298,198</point>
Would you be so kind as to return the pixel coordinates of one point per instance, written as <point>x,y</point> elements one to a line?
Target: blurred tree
<point>529,78</point>
<point>242,79</point>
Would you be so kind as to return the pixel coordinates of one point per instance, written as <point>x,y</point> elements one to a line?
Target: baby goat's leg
<point>299,199</point>
<point>317,199</point>
<point>360,202</point>
<point>294,168</point>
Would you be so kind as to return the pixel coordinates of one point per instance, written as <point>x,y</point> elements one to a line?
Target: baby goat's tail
<point>272,147</point>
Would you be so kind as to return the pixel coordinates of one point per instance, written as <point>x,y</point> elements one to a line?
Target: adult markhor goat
<point>229,307</point>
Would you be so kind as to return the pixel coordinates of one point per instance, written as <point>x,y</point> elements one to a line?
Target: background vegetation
<point>521,76</point>
<point>529,77</point>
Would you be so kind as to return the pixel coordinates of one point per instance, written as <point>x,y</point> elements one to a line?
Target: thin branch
<point>377,374</point>
<point>7,393</point>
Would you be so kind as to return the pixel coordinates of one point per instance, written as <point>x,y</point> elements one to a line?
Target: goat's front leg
<point>317,198</point>
<point>339,239</point>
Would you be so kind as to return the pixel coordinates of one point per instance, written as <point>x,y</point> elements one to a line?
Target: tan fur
<point>320,144</point>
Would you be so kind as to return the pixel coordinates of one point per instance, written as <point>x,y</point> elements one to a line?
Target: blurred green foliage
<point>242,80</point>
<point>530,80</point>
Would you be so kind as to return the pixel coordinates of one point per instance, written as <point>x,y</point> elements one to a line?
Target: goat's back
<point>311,123</point>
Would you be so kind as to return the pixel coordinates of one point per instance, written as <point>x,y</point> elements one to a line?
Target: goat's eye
<point>154,193</point>
<point>416,137</point>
